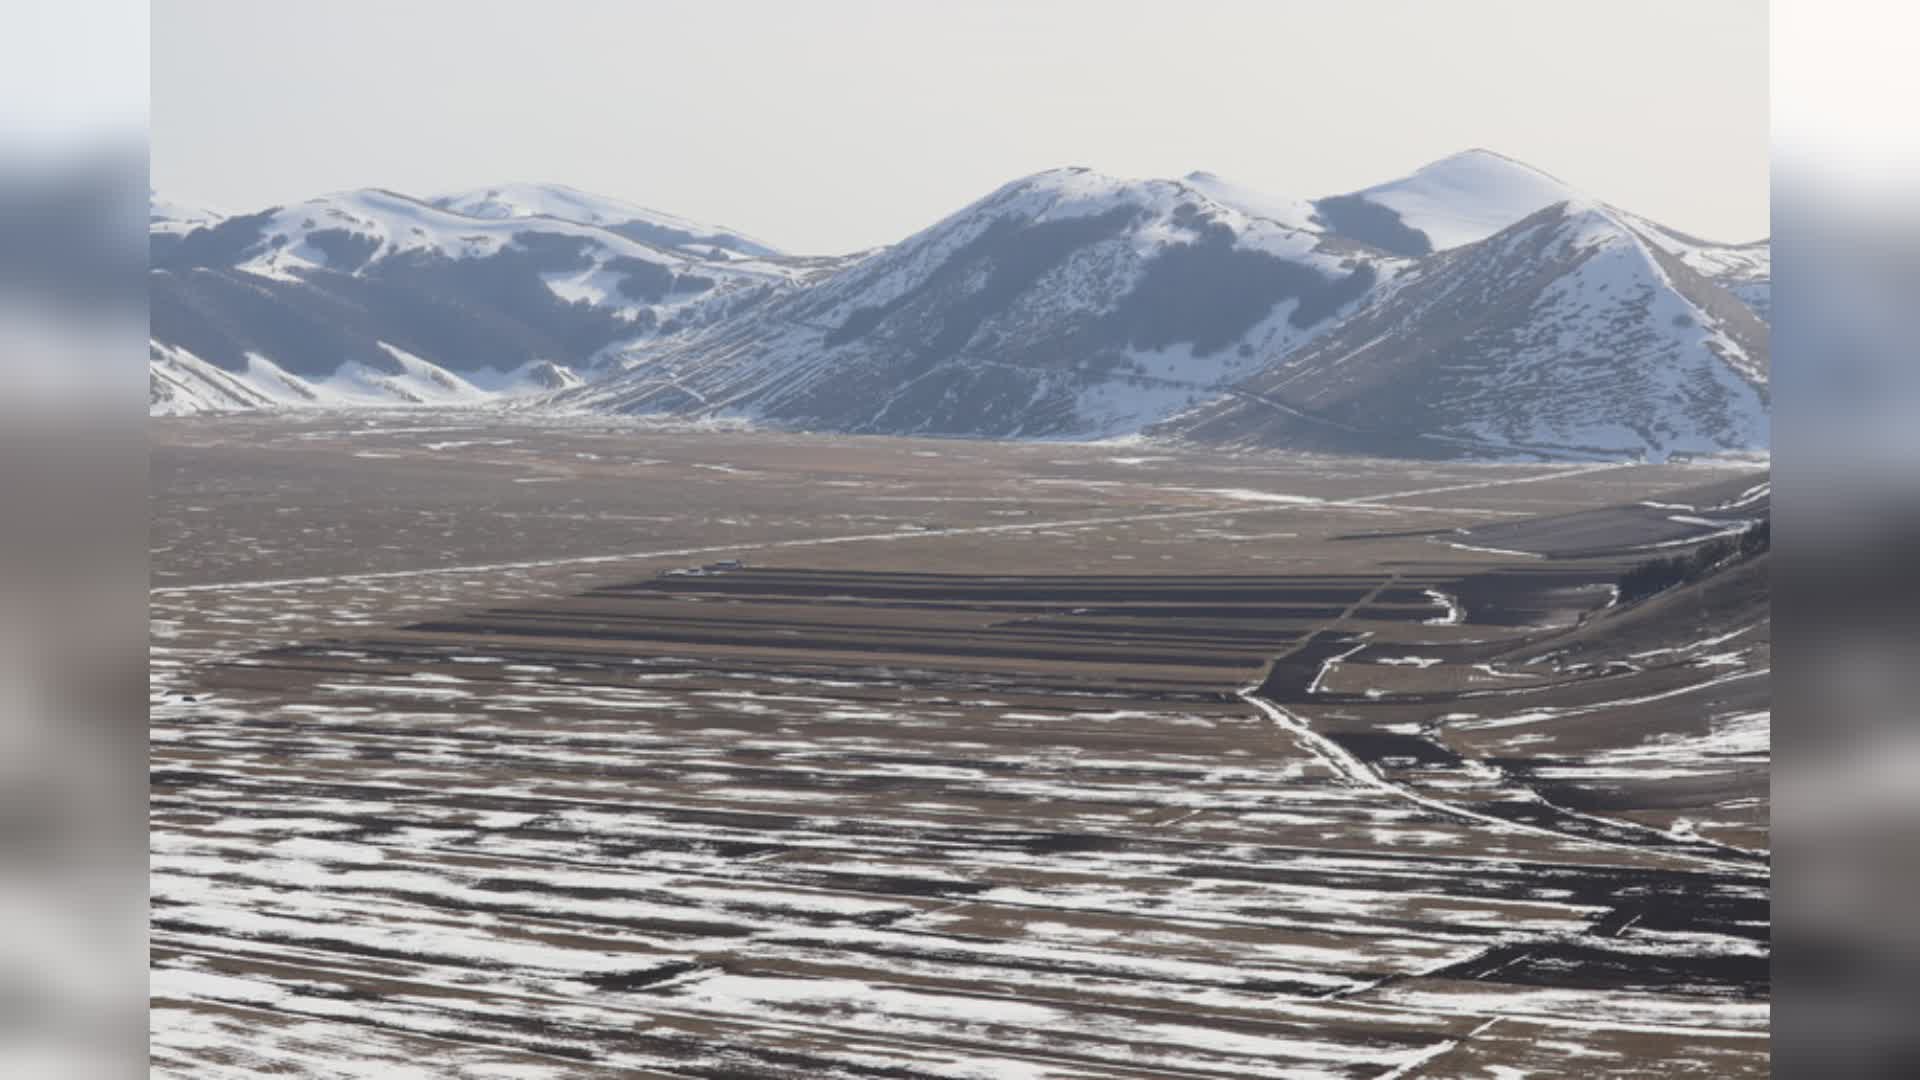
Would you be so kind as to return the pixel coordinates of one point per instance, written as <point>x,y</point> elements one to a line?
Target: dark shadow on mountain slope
<point>663,236</point>
<point>465,314</point>
<point>1211,293</point>
<point>1359,218</point>
<point>1016,256</point>
<point>231,241</point>
<point>346,251</point>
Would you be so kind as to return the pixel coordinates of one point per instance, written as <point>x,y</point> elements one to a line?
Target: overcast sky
<point>832,125</point>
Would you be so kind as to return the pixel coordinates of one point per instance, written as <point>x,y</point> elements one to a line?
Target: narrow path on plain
<point>1344,763</point>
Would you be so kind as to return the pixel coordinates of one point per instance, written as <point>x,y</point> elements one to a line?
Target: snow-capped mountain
<point>1471,195</point>
<point>1475,306</point>
<point>353,282</point>
<point>1572,332</point>
<point>1456,200</point>
<point>562,203</point>
<point>168,218</point>
<point>355,231</point>
<point>1064,304</point>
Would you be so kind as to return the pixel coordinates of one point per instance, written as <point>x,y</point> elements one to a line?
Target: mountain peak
<point>1567,333</point>
<point>1459,199</point>
<point>1066,176</point>
<point>563,202</point>
<point>1481,157</point>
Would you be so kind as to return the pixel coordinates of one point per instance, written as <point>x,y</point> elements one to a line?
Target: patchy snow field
<point>1150,779</point>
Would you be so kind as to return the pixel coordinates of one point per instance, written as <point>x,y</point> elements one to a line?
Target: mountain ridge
<point>1064,304</point>
<point>1569,333</point>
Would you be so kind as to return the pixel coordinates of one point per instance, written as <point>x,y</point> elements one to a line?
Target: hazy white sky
<point>832,125</point>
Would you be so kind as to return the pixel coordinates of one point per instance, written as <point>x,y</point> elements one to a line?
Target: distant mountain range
<point>1477,307</point>
<point>371,297</point>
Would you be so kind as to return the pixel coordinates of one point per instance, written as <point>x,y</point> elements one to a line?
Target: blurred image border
<point>1846,780</point>
<point>73,465</point>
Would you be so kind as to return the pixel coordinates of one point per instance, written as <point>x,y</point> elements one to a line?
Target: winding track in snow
<point>1341,761</point>
<point>1358,772</point>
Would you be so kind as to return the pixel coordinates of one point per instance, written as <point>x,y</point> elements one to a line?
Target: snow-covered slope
<point>353,231</point>
<point>1471,195</point>
<point>1064,304</point>
<point>319,287</point>
<point>562,203</point>
<point>1456,200</point>
<point>173,218</point>
<point>1745,270</point>
<point>182,384</point>
<point>1291,212</point>
<point>1570,333</point>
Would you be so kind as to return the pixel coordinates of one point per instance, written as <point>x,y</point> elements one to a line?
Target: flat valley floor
<point>484,748</point>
